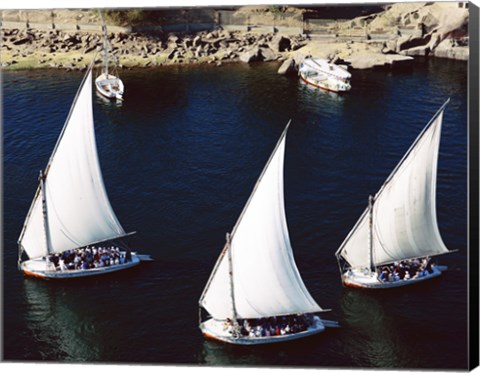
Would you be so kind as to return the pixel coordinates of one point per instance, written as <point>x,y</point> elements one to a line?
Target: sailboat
<point>255,288</point>
<point>320,73</point>
<point>108,83</point>
<point>70,209</point>
<point>395,238</point>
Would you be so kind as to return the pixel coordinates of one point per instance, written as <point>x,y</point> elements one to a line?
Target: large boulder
<point>21,41</point>
<point>280,43</point>
<point>390,47</point>
<point>197,41</point>
<point>417,51</point>
<point>252,55</point>
<point>395,60</point>
<point>268,54</point>
<point>287,67</point>
<point>368,60</point>
<point>408,42</point>
<point>449,48</point>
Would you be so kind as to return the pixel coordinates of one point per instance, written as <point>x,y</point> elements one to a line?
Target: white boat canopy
<point>323,66</point>
<point>404,221</point>
<point>78,212</point>
<point>110,81</point>
<point>265,279</point>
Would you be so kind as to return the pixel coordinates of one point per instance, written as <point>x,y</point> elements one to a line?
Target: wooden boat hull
<point>365,281</point>
<point>213,329</point>
<point>105,89</point>
<point>38,268</point>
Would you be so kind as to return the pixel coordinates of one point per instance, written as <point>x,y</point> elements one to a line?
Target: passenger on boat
<point>406,270</point>
<point>428,266</point>
<point>256,328</point>
<point>128,256</point>
<point>62,265</point>
<point>87,258</point>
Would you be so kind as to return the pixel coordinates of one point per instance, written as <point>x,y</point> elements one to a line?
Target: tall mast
<point>41,178</point>
<point>370,226</point>
<point>230,272</point>
<point>105,44</point>
<point>105,50</point>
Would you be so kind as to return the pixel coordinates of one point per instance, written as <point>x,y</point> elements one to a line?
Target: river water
<point>180,157</point>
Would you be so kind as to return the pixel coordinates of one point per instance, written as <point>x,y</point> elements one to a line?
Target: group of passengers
<point>267,327</point>
<point>89,257</point>
<point>406,269</point>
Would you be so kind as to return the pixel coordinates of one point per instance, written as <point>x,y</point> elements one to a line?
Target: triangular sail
<point>78,209</point>
<point>266,280</point>
<point>404,212</point>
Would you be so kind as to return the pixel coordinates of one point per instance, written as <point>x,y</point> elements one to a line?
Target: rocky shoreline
<point>441,35</point>
<point>57,49</point>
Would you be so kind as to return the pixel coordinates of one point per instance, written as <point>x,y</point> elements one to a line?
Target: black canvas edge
<point>473,112</point>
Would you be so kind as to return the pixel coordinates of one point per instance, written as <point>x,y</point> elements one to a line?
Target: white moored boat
<point>70,209</point>
<point>108,83</point>
<point>397,234</point>
<point>255,294</point>
<point>319,73</point>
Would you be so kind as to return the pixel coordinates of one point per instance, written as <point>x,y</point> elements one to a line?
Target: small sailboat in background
<point>255,294</point>
<point>70,214</point>
<point>320,73</point>
<point>108,82</point>
<point>392,242</point>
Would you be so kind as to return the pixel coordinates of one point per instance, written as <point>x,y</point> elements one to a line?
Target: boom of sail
<point>256,275</point>
<point>76,211</point>
<point>404,220</point>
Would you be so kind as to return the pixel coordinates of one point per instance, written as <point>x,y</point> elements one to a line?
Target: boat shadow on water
<point>102,100</point>
<point>61,317</point>
<point>66,318</point>
<point>382,320</point>
<point>316,92</point>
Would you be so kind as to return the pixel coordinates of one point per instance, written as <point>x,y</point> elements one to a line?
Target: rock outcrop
<point>287,67</point>
<point>421,27</point>
<point>136,49</point>
<point>402,31</point>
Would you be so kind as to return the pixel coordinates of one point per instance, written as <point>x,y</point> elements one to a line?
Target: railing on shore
<point>232,20</point>
<point>62,27</point>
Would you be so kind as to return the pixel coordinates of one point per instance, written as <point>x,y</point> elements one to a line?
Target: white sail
<point>218,297</point>
<point>266,281</point>
<point>78,210</point>
<point>404,211</point>
<point>356,250</point>
<point>34,237</point>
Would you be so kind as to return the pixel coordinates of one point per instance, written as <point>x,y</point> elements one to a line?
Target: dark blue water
<point>180,157</point>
